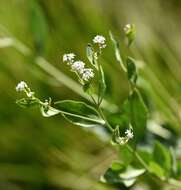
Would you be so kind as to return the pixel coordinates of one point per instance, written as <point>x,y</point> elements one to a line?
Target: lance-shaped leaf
<point>162,157</point>
<point>156,170</point>
<point>117,51</point>
<point>122,175</point>
<point>131,70</point>
<point>79,113</point>
<point>90,54</point>
<point>102,84</point>
<point>134,111</point>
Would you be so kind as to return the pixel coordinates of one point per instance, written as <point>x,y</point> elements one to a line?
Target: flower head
<point>100,40</point>
<point>129,133</point>
<point>68,57</point>
<point>21,86</point>
<point>78,66</point>
<point>87,74</point>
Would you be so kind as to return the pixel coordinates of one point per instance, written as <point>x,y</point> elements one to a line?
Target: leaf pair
<point>118,173</point>
<point>76,112</point>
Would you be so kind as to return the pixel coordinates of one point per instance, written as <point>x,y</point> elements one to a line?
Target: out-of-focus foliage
<point>47,153</point>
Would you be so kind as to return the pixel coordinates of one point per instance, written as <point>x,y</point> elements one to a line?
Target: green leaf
<point>179,169</point>
<point>131,173</point>
<point>134,111</point>
<point>145,155</point>
<point>117,166</point>
<point>125,155</point>
<point>117,51</point>
<point>27,102</point>
<point>173,161</point>
<point>48,112</point>
<point>156,169</point>
<point>88,88</point>
<point>111,177</point>
<point>161,156</point>
<point>90,54</point>
<point>126,176</point>
<point>102,84</point>
<point>131,70</point>
<point>79,113</point>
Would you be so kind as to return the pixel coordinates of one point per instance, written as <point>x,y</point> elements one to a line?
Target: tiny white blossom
<point>68,57</point>
<point>101,40</point>
<point>78,66</point>
<point>21,86</point>
<point>129,133</point>
<point>87,74</point>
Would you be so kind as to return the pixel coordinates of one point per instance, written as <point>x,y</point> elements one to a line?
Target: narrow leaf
<point>131,70</point>
<point>117,51</point>
<point>90,54</point>
<point>156,169</point>
<point>131,173</point>
<point>161,156</point>
<point>102,84</point>
<point>79,113</point>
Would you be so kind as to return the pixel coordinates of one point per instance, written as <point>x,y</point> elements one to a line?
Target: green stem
<point>143,163</point>
<point>109,127</point>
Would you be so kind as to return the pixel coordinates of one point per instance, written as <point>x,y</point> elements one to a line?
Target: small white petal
<point>87,74</point>
<point>21,86</point>
<point>99,40</point>
<point>129,133</point>
<point>78,66</point>
<point>68,57</point>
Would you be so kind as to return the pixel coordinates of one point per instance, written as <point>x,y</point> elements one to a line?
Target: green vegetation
<point>129,90</point>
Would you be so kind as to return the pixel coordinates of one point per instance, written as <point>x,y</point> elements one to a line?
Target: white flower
<point>21,86</point>
<point>100,40</point>
<point>129,133</point>
<point>78,66</point>
<point>87,74</point>
<point>68,57</point>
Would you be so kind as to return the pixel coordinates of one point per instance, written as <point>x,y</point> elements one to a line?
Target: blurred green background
<point>39,153</point>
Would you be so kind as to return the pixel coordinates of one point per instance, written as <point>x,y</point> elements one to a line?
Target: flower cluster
<point>23,87</point>
<point>87,74</point>
<point>69,58</point>
<point>129,133</point>
<point>78,67</point>
<point>100,40</point>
